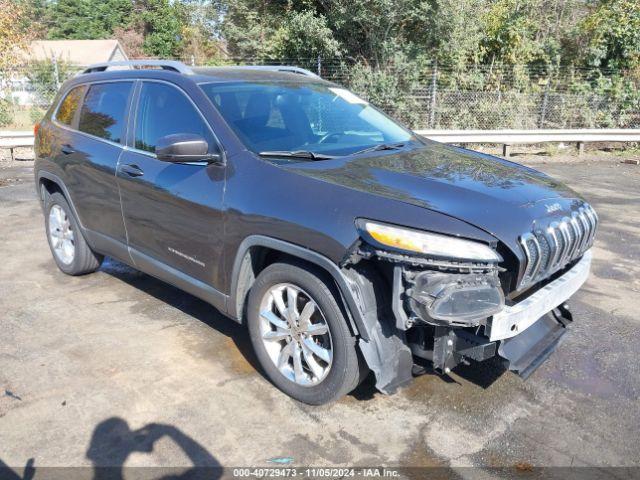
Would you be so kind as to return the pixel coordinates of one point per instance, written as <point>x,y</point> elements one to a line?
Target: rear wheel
<point>300,336</point>
<point>70,251</point>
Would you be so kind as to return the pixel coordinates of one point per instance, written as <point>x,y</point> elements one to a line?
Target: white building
<point>77,52</point>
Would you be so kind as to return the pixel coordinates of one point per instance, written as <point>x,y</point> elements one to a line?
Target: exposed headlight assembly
<point>456,299</point>
<point>431,244</point>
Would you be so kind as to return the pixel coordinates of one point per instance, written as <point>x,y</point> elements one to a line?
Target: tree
<point>14,33</point>
<point>304,36</point>
<point>14,40</point>
<point>248,26</point>
<point>372,29</point>
<point>200,41</point>
<point>86,19</point>
<point>613,33</point>
<point>132,41</point>
<point>160,21</point>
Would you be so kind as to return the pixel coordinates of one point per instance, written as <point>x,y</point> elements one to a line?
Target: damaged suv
<point>346,243</point>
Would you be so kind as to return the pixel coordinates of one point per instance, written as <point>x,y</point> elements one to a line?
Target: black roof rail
<point>172,65</point>
<point>283,68</point>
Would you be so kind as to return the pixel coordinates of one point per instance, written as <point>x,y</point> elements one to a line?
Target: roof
<point>240,73</point>
<point>79,52</point>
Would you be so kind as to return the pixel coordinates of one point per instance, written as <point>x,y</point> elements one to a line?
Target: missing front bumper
<point>525,352</point>
<point>522,354</point>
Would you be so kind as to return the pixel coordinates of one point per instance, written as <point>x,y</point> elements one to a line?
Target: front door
<point>172,212</point>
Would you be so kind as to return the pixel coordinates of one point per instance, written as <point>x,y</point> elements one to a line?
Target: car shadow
<point>186,303</point>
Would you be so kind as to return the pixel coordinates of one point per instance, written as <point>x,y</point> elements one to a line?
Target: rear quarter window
<point>103,110</point>
<point>69,105</point>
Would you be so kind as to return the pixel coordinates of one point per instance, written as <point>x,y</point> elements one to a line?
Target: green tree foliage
<point>387,87</point>
<point>86,19</point>
<point>613,32</point>
<point>304,35</point>
<point>161,22</point>
<point>248,26</point>
<point>515,52</point>
<point>602,33</point>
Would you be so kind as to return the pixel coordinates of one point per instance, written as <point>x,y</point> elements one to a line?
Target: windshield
<point>310,117</point>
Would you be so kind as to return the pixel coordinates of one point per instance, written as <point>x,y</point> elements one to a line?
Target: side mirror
<point>185,147</point>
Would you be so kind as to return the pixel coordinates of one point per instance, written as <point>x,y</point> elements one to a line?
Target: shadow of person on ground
<point>113,442</point>
<point>7,473</point>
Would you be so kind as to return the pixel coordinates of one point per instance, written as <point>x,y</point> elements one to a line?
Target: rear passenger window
<point>164,110</point>
<point>103,110</point>
<point>69,106</point>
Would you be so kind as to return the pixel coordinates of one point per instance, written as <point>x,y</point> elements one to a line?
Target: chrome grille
<point>550,249</point>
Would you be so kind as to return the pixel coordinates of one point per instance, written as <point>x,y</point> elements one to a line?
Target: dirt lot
<point>118,368</point>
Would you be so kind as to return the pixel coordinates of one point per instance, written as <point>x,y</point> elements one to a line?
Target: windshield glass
<point>310,117</point>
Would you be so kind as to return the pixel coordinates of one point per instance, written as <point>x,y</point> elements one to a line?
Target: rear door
<point>173,212</point>
<point>89,153</point>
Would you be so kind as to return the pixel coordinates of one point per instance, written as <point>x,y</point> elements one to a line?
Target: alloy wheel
<point>295,334</point>
<point>61,235</point>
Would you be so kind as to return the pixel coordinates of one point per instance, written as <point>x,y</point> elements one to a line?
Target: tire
<point>342,374</point>
<point>62,226</point>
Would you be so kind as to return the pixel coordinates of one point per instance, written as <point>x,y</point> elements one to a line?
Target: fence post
<point>434,92</point>
<point>319,66</point>
<point>545,101</point>
<point>56,73</point>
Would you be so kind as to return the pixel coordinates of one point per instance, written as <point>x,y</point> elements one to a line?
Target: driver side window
<point>165,110</point>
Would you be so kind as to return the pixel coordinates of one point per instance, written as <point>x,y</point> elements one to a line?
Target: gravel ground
<point>117,368</point>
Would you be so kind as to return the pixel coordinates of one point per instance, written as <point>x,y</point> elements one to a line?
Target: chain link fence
<point>424,96</point>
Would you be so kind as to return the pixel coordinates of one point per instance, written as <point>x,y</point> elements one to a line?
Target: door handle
<point>67,149</point>
<point>131,170</point>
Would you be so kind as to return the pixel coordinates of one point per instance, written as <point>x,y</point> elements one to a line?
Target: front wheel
<point>300,335</point>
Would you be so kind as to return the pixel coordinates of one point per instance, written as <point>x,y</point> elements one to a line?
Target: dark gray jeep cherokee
<point>344,241</point>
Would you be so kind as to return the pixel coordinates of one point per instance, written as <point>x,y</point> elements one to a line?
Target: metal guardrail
<point>7,134</point>
<point>11,140</point>
<point>514,137</point>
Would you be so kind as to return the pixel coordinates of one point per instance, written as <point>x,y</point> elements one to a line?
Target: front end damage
<point>448,313</point>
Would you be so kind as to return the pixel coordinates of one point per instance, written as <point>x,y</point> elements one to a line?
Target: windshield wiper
<point>381,146</point>
<point>295,154</point>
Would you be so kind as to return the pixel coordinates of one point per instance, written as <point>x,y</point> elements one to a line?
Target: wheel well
<point>257,258</point>
<point>50,186</point>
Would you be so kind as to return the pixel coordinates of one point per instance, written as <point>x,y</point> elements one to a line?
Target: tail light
<point>36,127</point>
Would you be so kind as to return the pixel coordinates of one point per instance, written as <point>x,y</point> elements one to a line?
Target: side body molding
<point>343,283</point>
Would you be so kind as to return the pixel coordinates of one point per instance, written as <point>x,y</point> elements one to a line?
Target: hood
<point>500,197</point>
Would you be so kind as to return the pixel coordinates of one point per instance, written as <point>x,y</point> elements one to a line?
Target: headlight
<point>432,244</point>
<point>456,299</point>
